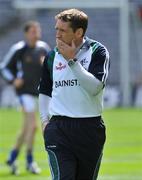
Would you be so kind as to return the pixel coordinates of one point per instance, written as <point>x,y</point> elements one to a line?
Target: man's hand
<point>68,52</point>
<point>44,125</point>
<point>18,83</point>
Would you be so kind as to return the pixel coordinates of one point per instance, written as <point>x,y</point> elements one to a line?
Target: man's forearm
<point>44,101</point>
<point>88,81</point>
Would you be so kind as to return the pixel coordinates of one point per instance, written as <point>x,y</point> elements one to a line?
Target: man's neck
<point>31,44</point>
<point>79,45</point>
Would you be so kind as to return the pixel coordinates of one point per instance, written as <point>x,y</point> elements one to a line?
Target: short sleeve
<point>100,64</point>
<point>45,86</point>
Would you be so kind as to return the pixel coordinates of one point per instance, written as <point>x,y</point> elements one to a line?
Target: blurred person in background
<point>21,67</point>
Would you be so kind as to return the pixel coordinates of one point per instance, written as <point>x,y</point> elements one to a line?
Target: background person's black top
<point>24,62</point>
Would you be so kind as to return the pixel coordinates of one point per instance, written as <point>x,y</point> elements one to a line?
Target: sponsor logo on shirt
<point>60,66</point>
<point>51,146</point>
<point>83,62</point>
<point>64,83</point>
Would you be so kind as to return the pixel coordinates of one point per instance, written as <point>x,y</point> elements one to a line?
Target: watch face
<point>71,62</point>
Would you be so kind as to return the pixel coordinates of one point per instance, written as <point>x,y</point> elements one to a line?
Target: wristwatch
<point>71,62</point>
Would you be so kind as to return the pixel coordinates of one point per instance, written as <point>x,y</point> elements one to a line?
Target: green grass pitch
<point>122,158</point>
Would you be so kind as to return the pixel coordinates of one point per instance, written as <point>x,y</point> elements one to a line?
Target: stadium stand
<point>103,26</point>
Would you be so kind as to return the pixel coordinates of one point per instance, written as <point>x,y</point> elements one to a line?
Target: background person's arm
<point>9,66</point>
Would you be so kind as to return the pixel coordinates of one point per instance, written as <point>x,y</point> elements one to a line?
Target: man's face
<point>64,32</point>
<point>33,34</point>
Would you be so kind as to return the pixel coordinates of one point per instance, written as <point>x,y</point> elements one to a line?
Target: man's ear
<point>79,32</point>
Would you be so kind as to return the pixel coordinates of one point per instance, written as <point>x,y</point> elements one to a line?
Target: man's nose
<point>58,35</point>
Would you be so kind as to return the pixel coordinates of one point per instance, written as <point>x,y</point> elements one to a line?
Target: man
<point>22,68</point>
<point>71,89</point>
